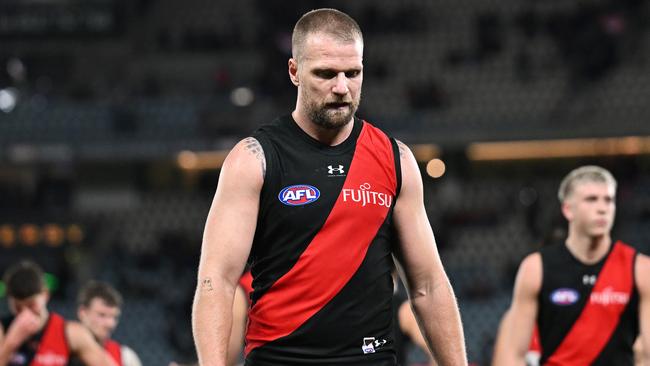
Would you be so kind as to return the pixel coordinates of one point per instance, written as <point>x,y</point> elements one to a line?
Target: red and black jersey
<point>321,256</point>
<point>246,283</point>
<point>588,314</point>
<point>114,349</point>
<point>49,347</point>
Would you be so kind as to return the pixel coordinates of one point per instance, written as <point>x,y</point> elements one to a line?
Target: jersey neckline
<point>600,262</point>
<point>341,148</point>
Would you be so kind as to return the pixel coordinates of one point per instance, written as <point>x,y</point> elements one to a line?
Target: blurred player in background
<point>407,331</point>
<point>34,336</point>
<point>99,308</point>
<point>588,297</point>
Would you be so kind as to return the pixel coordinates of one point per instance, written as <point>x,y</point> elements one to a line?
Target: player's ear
<point>81,312</point>
<point>567,212</point>
<point>293,71</point>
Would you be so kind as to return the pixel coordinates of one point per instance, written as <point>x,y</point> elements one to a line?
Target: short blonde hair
<point>587,173</point>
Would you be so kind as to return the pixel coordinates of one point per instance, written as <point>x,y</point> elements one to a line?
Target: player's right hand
<point>25,325</point>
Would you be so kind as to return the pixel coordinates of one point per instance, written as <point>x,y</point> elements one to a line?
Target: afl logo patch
<point>298,195</point>
<point>565,296</point>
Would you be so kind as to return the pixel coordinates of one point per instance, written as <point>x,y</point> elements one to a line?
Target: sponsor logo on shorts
<point>565,296</point>
<point>298,195</point>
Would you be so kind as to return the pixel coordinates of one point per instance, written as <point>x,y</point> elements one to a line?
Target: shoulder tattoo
<point>254,147</point>
<point>403,149</point>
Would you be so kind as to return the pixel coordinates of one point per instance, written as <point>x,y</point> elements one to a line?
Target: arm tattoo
<point>206,284</point>
<point>252,145</point>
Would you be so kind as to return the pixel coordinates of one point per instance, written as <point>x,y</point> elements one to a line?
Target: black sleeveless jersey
<point>321,256</point>
<point>569,287</point>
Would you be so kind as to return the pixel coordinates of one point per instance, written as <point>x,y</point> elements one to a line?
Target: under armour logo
<point>331,169</point>
<point>588,279</point>
<point>379,342</point>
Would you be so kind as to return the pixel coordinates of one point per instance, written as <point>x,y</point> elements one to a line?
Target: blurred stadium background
<point>115,116</point>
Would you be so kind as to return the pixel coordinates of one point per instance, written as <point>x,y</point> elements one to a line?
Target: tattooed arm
<point>253,147</point>
<point>227,241</point>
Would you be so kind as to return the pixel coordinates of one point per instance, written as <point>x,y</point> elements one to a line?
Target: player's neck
<point>43,320</point>
<point>331,137</point>
<point>588,250</point>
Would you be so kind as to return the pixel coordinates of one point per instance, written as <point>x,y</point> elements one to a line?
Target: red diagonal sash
<point>53,348</point>
<point>337,250</point>
<point>602,312</point>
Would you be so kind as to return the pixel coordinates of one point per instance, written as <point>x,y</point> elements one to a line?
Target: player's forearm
<point>7,348</point>
<point>641,347</point>
<point>505,352</point>
<point>211,323</point>
<point>4,358</point>
<point>5,354</point>
<point>645,354</point>
<point>505,355</point>
<point>438,313</point>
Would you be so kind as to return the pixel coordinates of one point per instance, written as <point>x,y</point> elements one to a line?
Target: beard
<point>332,115</point>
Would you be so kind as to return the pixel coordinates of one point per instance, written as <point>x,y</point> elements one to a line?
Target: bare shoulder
<point>77,334</point>
<point>410,169</point>
<point>642,261</point>
<point>404,151</point>
<point>252,146</point>
<point>73,327</point>
<point>532,262</point>
<point>529,276</point>
<point>247,155</point>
